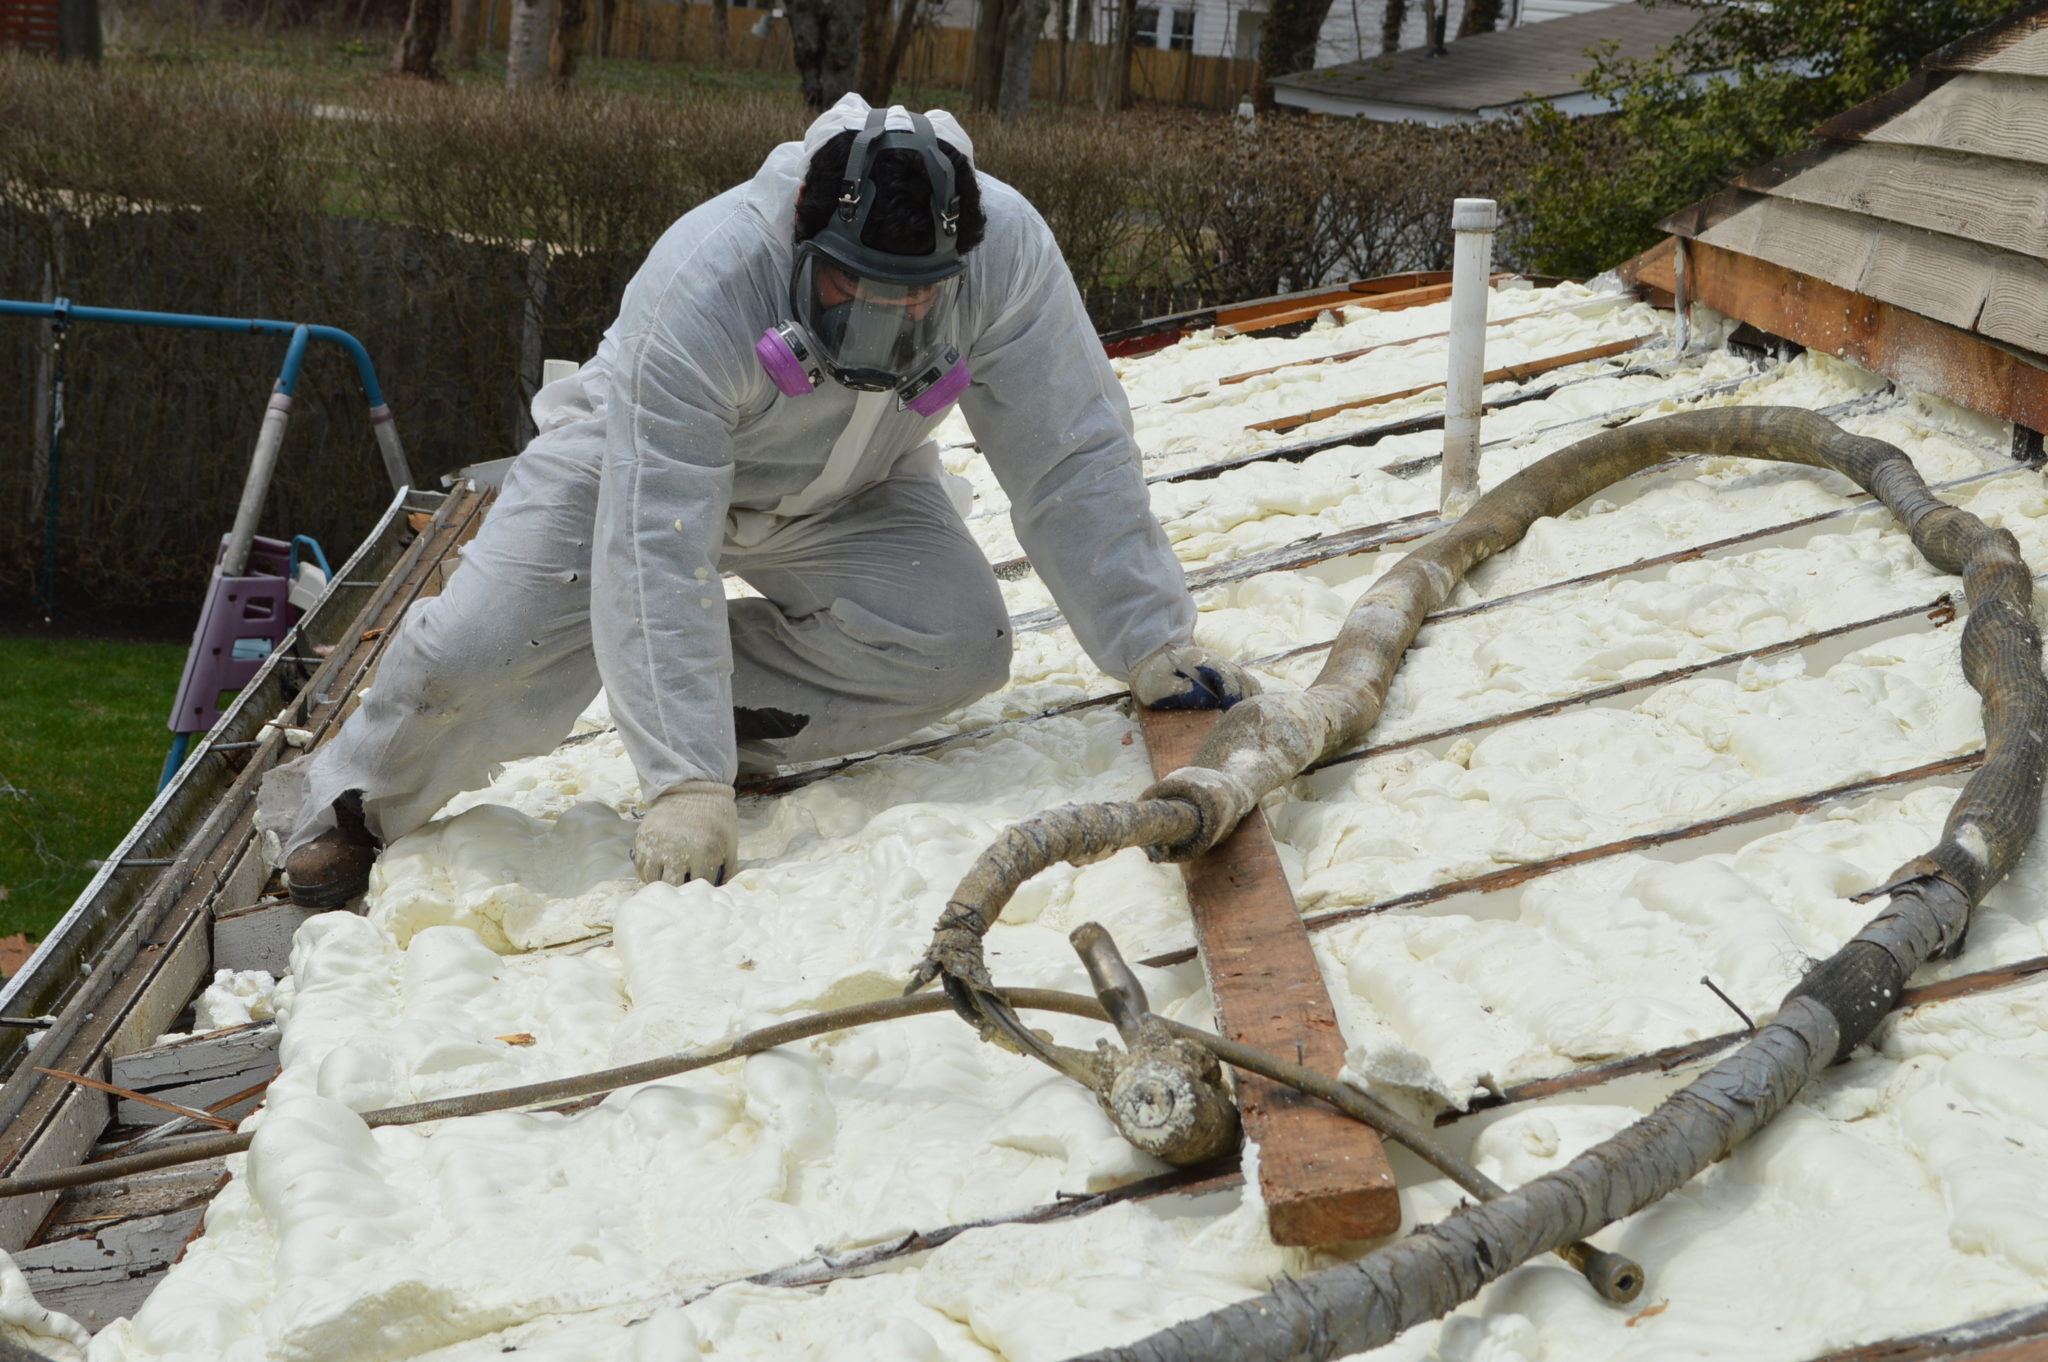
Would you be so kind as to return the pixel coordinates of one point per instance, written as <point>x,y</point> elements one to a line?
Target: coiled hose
<point>1270,739</point>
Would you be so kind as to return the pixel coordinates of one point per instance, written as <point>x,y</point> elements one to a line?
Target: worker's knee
<point>978,664</point>
<point>934,662</point>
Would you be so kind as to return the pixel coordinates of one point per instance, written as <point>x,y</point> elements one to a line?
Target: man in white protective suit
<point>763,406</point>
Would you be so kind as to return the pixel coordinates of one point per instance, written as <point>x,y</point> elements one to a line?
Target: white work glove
<point>690,833</point>
<point>1189,676</point>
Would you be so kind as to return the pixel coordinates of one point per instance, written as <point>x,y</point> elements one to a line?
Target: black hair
<point>901,220</point>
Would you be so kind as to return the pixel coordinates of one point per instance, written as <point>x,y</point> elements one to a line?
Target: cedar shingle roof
<point>1931,197</point>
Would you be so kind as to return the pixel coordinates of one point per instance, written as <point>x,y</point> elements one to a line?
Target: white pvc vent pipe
<point>1472,224</point>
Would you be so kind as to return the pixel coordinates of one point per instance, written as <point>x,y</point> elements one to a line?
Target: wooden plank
<point>197,1071</point>
<point>1985,114</point>
<point>1508,373</point>
<point>1817,241</point>
<point>182,972</point>
<point>258,936</point>
<point>1993,203</point>
<point>2015,1336</point>
<point>1653,273</point>
<point>107,1273</point>
<point>1239,321</point>
<point>1604,301</point>
<point>1936,276</point>
<point>73,1122</point>
<point>2016,304</point>
<point>1325,1178</point>
<point>1894,341</point>
<point>109,1248</point>
<point>1388,293</point>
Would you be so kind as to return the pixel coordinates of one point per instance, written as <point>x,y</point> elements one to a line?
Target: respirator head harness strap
<point>876,320</point>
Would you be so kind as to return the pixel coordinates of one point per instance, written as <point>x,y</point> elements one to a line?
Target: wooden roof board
<point>1997,115</point>
<point>2003,204</point>
<point>1828,245</point>
<point>2016,304</point>
<point>1937,276</point>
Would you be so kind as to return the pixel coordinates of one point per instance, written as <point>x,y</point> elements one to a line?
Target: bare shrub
<point>444,225</point>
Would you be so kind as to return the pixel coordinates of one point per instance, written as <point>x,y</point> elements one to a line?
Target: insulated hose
<point>1270,739</point>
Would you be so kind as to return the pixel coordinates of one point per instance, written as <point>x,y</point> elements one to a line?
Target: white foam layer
<point>510,942</point>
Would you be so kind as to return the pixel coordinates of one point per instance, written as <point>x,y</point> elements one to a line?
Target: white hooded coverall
<point>670,458</point>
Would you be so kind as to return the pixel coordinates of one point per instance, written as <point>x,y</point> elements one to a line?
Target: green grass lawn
<point>82,741</point>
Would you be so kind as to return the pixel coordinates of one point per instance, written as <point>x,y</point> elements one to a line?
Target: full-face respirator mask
<point>874,320</point>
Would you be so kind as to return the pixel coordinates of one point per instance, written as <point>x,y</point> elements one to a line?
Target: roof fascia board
<point>1315,101</point>
<point>1971,370</point>
<point>1717,207</point>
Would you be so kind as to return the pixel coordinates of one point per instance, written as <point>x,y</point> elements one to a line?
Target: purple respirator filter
<point>943,393</point>
<point>784,368</point>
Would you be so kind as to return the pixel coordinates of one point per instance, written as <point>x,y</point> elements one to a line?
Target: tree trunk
<point>824,39</point>
<point>875,32</point>
<point>526,47</point>
<point>415,53</point>
<point>899,47</point>
<point>567,48</point>
<point>1113,76</point>
<point>990,26</point>
<point>79,30</point>
<point>1392,19</point>
<point>466,28</point>
<point>601,28</point>
<point>1063,15</point>
<point>721,32</point>
<point>1481,16</point>
<point>1288,43</point>
<point>1026,20</point>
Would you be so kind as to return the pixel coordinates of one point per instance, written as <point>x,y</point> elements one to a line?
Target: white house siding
<point>1351,31</point>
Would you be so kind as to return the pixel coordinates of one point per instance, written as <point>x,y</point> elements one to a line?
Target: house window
<point>1145,27</point>
<point>1182,38</point>
<point>1250,24</point>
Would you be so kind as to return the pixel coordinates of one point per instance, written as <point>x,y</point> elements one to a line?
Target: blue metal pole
<point>380,414</point>
<point>181,743</point>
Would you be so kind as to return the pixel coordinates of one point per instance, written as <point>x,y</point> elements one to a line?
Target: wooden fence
<point>30,25</point>
<point>939,58</point>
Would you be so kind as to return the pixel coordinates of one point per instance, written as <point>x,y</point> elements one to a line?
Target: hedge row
<point>412,218</point>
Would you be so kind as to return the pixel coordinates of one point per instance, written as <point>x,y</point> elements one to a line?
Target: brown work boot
<point>335,866</point>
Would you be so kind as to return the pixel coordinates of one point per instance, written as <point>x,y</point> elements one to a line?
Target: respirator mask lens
<point>872,333</point>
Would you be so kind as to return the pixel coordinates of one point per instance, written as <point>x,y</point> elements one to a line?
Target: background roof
<point>1487,70</point>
